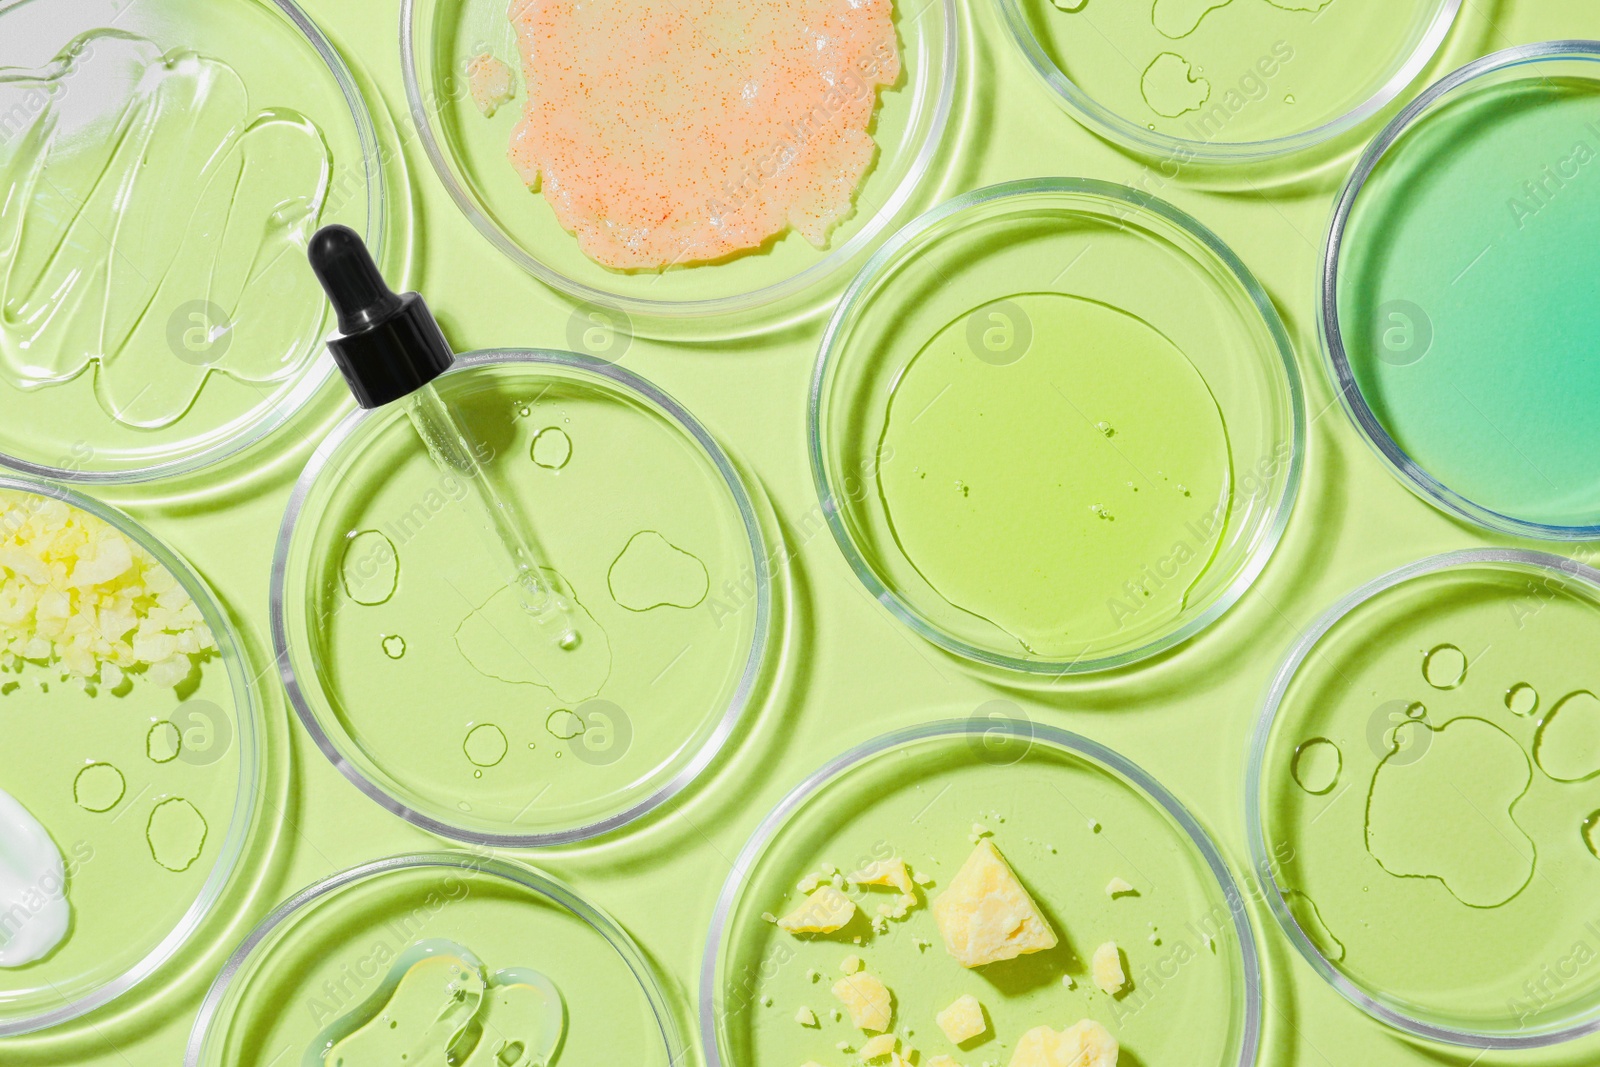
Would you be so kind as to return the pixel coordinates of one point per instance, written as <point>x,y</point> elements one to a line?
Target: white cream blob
<point>33,887</point>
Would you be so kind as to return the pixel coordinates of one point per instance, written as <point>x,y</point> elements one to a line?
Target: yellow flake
<point>962,1020</point>
<point>1084,1044</point>
<point>867,1000</point>
<point>891,873</point>
<point>80,597</point>
<point>806,1017</point>
<point>986,915</point>
<point>823,912</point>
<point>1117,887</point>
<point>850,965</point>
<point>877,1048</point>
<point>1107,968</point>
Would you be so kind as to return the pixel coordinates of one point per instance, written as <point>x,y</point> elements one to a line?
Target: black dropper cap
<point>388,345</point>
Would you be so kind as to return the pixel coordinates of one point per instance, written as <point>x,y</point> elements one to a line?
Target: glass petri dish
<point>1422,797</point>
<point>1016,500</point>
<point>338,948</point>
<point>165,162</point>
<point>410,662</point>
<point>138,796</point>
<point>1226,81</point>
<point>1068,815</point>
<point>1453,289</point>
<point>440,40</point>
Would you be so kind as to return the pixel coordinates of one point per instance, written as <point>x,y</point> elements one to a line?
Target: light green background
<point>850,672</point>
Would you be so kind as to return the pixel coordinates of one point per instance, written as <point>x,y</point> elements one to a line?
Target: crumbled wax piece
<point>922,878</point>
<point>891,873</point>
<point>823,912</point>
<point>986,915</point>
<point>867,1000</point>
<point>810,882</point>
<point>1068,981</point>
<point>768,917</point>
<point>1107,968</point>
<point>1084,1044</point>
<point>850,965</point>
<point>877,1048</point>
<point>1118,887</point>
<point>492,83</point>
<point>77,595</point>
<point>963,1020</point>
<point>806,1017</point>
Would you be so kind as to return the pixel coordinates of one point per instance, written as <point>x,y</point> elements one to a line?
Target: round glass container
<point>1226,81</point>
<point>1424,795</point>
<point>410,661</point>
<point>164,164</point>
<point>1056,426</point>
<point>441,39</point>
<point>1068,816</point>
<point>345,952</point>
<point>1456,297</point>
<point>147,791</point>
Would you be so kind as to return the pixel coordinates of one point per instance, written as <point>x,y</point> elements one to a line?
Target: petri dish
<point>1226,81</point>
<point>1453,291</point>
<point>412,665</point>
<point>542,975</point>
<point>442,38</point>
<point>164,162</point>
<point>1068,816</point>
<point>1056,426</point>
<point>128,799</point>
<point>1422,797</point>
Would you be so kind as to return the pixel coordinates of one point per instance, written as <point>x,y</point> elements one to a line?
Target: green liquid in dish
<point>1467,297</point>
<point>1060,493</point>
<point>1442,857</point>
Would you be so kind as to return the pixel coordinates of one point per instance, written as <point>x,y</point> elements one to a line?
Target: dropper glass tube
<point>453,452</point>
<point>390,349</point>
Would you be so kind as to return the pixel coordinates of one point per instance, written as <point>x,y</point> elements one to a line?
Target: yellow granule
<point>77,595</point>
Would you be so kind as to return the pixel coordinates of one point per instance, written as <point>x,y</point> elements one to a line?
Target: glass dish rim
<point>1102,120</point>
<point>522,874</point>
<point>888,255</point>
<point>249,727</point>
<point>1336,360</point>
<point>315,376</point>
<point>681,310</point>
<point>1255,823</point>
<point>1031,732</point>
<point>738,705</point>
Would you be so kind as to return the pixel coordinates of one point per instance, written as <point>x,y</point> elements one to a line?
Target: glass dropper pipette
<point>390,349</point>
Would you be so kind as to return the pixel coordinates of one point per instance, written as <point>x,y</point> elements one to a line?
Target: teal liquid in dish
<point>1470,297</point>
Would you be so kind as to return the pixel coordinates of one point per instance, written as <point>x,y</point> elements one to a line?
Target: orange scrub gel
<point>676,131</point>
